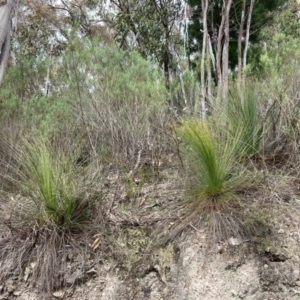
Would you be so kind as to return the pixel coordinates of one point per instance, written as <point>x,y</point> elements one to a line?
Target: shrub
<point>115,100</point>
<point>25,101</point>
<point>213,163</point>
<point>121,103</point>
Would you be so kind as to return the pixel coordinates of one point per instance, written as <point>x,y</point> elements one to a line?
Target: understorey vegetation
<point>90,132</point>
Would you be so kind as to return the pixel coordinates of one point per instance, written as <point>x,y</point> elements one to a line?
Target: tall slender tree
<point>5,31</point>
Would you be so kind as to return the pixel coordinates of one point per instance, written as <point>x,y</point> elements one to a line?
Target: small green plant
<point>134,185</point>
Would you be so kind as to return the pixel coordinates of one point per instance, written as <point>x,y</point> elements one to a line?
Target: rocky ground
<point>266,267</point>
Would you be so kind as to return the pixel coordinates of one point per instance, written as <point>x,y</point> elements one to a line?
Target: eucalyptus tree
<point>152,27</point>
<point>222,31</point>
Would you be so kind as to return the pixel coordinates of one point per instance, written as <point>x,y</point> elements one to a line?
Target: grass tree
<point>214,179</point>
<point>52,180</point>
<point>53,198</point>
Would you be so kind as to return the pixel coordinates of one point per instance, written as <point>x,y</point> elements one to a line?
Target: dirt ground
<point>263,268</point>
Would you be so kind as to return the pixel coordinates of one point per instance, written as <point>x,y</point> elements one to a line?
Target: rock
<point>234,241</point>
<point>27,272</point>
<point>17,293</point>
<point>59,294</point>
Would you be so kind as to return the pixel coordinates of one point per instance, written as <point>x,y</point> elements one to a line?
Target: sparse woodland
<point>101,101</point>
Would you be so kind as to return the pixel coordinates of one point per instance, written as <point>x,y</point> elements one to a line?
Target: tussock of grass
<point>243,115</point>
<point>213,163</point>
<point>58,204</point>
<point>61,191</point>
<point>215,178</point>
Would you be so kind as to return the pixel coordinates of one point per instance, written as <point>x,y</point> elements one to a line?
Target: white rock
<point>17,293</point>
<point>59,294</point>
<point>234,241</point>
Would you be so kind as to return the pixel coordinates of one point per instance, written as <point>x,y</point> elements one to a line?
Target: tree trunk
<point>204,4</point>
<point>248,33</point>
<point>219,51</point>
<point>5,29</point>
<point>240,40</point>
<point>225,58</point>
<point>209,76</point>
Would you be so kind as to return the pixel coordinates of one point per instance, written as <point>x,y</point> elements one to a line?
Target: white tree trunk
<point>240,40</point>
<point>248,33</point>
<point>209,76</point>
<point>225,58</point>
<point>219,52</point>
<point>5,29</point>
<point>204,4</point>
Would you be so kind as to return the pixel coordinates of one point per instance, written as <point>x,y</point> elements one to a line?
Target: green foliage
<point>24,100</point>
<point>214,178</point>
<point>59,189</point>
<point>24,80</point>
<point>153,25</point>
<point>275,62</point>
<point>115,99</point>
<point>278,46</point>
<point>213,162</point>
